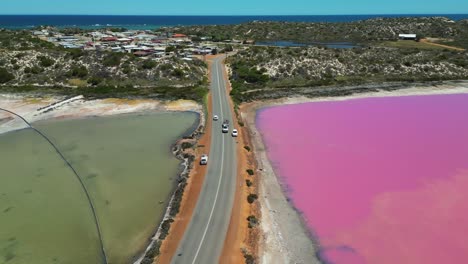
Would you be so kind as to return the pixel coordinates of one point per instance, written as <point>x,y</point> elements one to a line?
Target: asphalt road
<point>204,238</point>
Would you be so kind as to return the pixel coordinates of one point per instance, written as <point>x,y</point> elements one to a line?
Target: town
<point>141,43</point>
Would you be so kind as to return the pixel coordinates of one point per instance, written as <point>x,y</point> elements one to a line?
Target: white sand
<point>36,109</point>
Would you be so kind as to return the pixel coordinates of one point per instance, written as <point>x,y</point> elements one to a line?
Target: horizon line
<point>369,14</point>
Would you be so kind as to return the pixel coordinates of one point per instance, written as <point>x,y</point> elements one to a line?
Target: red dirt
<point>441,45</point>
<point>190,197</point>
<point>239,237</point>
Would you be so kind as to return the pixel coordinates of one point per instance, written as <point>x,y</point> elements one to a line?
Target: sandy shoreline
<point>285,238</point>
<point>47,108</point>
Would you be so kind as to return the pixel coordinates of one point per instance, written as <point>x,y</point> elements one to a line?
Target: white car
<point>234,133</point>
<point>204,159</point>
<point>215,118</point>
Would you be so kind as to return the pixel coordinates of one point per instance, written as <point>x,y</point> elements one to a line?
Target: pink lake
<point>377,180</point>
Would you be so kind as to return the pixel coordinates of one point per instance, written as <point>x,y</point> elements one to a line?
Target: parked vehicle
<point>204,159</point>
<point>234,133</point>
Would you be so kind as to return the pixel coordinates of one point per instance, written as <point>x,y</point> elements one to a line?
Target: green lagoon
<point>127,166</point>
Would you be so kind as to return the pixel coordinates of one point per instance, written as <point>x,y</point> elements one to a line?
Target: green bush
<point>113,59</point>
<point>251,198</point>
<point>45,61</point>
<point>149,64</point>
<point>250,172</point>
<point>75,53</point>
<point>247,148</point>
<point>249,259</point>
<point>186,145</point>
<point>178,73</point>
<point>95,80</point>
<point>252,221</point>
<point>79,71</point>
<point>248,182</point>
<point>36,70</point>
<point>126,69</point>
<point>171,49</point>
<point>5,76</point>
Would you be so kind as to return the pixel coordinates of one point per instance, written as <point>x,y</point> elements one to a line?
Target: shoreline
<point>285,235</point>
<point>48,108</point>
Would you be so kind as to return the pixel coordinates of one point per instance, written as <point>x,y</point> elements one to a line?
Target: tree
<point>5,76</point>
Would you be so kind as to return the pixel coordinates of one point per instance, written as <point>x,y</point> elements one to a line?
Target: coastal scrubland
<point>364,31</point>
<point>30,64</point>
<point>267,73</point>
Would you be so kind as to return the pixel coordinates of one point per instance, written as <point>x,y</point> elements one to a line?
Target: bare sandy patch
<point>36,108</point>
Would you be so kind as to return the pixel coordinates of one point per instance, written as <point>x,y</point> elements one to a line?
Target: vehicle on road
<point>234,133</point>
<point>225,126</point>
<point>204,159</point>
<point>215,118</point>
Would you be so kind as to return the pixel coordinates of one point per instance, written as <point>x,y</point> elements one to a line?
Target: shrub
<point>248,182</point>
<point>148,64</point>
<point>249,259</point>
<point>250,172</point>
<point>75,53</point>
<point>45,61</point>
<point>112,59</point>
<point>186,145</point>
<point>247,148</point>
<point>165,226</point>
<point>36,70</point>
<point>251,198</point>
<point>178,73</point>
<point>79,71</point>
<point>171,49</point>
<point>126,69</point>
<point>95,80</point>
<point>252,221</point>
<point>5,76</point>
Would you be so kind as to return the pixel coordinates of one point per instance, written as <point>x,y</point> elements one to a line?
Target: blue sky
<point>232,7</point>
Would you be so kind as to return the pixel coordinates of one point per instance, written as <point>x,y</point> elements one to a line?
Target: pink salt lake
<point>377,180</point>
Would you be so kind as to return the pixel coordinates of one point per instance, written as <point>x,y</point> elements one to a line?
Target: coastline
<point>285,237</point>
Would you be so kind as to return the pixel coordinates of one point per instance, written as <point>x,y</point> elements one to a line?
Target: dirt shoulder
<point>241,241</point>
<point>190,197</point>
<point>189,200</point>
<point>284,238</point>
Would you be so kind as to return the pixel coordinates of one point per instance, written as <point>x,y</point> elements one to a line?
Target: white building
<point>407,36</point>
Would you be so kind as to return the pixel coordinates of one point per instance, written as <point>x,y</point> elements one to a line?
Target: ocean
<point>151,22</point>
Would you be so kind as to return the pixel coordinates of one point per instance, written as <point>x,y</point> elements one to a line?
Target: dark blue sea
<point>150,22</point>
